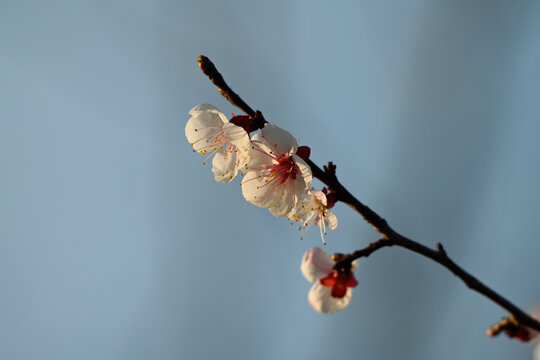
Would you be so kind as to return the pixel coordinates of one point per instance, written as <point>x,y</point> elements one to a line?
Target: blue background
<point>116,243</point>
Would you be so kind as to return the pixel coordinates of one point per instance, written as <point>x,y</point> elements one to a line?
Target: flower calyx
<point>249,124</point>
<point>339,281</point>
<point>330,197</point>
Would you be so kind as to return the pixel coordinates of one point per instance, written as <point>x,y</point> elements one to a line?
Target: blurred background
<point>117,243</point>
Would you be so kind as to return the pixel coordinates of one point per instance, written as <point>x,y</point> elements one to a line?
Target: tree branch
<point>390,237</point>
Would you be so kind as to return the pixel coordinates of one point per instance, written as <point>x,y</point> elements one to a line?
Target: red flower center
<point>284,170</point>
<point>339,282</point>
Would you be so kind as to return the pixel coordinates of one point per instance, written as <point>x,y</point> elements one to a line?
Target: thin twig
<point>390,237</point>
<point>439,255</point>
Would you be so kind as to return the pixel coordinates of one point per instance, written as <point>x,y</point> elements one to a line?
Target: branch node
<point>440,249</point>
<point>330,169</point>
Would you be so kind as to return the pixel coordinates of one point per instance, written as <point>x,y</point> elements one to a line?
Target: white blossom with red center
<point>313,208</point>
<point>210,133</point>
<point>332,290</point>
<point>276,176</point>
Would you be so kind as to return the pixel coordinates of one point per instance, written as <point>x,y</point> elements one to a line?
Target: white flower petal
<point>285,202</point>
<point>299,188</point>
<point>207,108</point>
<point>318,195</point>
<point>316,264</point>
<point>257,191</point>
<point>225,167</point>
<point>279,140</point>
<point>202,139</point>
<point>305,170</point>
<point>331,220</point>
<point>320,298</point>
<point>204,128</point>
<point>259,158</point>
<point>237,136</point>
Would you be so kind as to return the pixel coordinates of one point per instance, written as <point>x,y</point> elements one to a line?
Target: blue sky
<point>116,242</point>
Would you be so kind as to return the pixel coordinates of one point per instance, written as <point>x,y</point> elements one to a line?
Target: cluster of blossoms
<point>275,175</point>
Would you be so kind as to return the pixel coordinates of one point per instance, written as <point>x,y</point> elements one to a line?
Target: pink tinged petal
<point>320,298</point>
<point>279,140</point>
<point>331,220</point>
<point>316,264</point>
